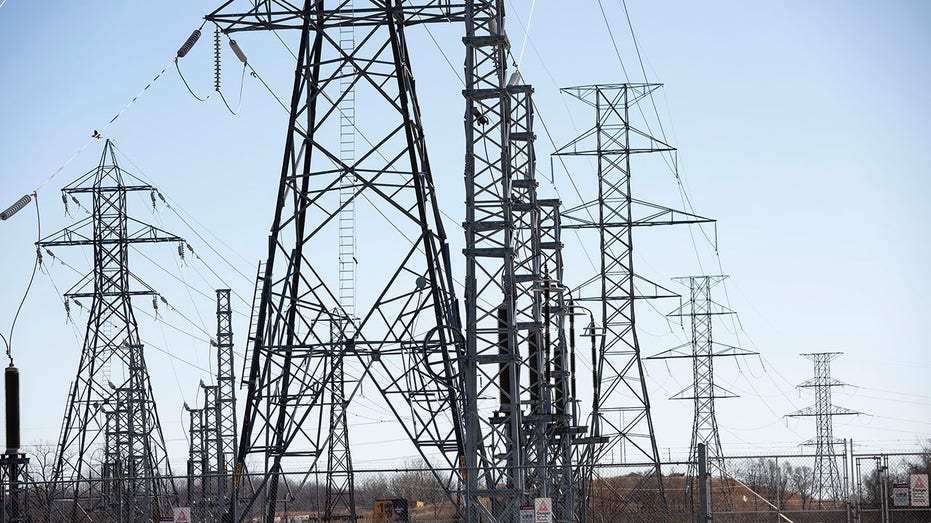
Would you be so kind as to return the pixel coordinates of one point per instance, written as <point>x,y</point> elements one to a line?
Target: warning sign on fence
<point>183,515</point>
<point>900,494</point>
<point>543,510</point>
<point>919,489</point>
<point>526,514</point>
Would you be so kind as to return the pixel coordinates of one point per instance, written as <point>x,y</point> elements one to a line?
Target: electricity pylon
<point>828,485</point>
<point>702,350</point>
<point>117,421</point>
<point>621,426</point>
<point>407,341</point>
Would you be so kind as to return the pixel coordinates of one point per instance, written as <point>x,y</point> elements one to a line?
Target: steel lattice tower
<point>827,478</point>
<point>620,420</point>
<point>540,313</point>
<point>227,429</point>
<point>702,350</point>
<point>405,339</point>
<point>196,484</point>
<point>119,419</point>
<point>212,427</point>
<point>563,426</point>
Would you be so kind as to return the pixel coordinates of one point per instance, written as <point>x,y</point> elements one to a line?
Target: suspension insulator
<point>238,51</point>
<point>11,386</point>
<point>16,207</point>
<point>189,43</point>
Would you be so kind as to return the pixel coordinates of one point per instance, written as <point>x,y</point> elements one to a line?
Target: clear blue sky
<point>802,127</point>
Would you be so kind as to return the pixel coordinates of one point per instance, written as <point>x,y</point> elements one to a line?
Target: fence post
<point>704,499</point>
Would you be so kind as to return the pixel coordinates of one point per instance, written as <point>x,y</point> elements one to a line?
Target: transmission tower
<point>132,482</point>
<point>702,350</point>
<point>405,340</point>
<point>621,427</point>
<point>828,485</point>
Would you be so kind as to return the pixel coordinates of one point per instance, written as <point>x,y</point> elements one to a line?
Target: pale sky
<point>801,127</point>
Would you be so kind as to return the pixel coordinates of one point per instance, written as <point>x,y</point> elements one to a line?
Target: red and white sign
<point>543,510</point>
<point>526,514</point>
<point>900,494</point>
<point>182,514</point>
<point>918,484</point>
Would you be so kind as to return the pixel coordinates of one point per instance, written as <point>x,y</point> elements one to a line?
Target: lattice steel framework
<point>339,500</point>
<point>620,421</point>
<point>119,419</point>
<point>702,350</point>
<point>495,457</point>
<point>540,313</point>
<point>828,484</point>
<point>559,371</point>
<point>196,486</point>
<point>408,328</point>
<point>14,491</point>
<point>227,429</point>
<point>530,287</point>
<point>213,427</point>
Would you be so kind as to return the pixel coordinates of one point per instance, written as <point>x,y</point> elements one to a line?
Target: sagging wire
<point>182,52</point>
<point>167,202</point>
<point>8,341</point>
<point>96,135</point>
<point>217,71</point>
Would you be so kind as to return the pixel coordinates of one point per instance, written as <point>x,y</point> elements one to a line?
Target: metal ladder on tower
<point>347,151</point>
<point>253,320</point>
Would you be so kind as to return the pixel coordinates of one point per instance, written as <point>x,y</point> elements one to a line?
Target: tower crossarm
<point>276,15</point>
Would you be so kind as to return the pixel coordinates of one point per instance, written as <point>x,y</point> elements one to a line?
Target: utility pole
<point>702,350</point>
<point>408,340</point>
<point>121,419</point>
<point>829,486</point>
<point>620,420</point>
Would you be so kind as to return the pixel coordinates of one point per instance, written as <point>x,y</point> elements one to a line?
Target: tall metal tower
<point>564,426</point>
<point>406,340</point>
<point>540,312</point>
<point>213,427</point>
<point>702,350</point>
<point>196,485</point>
<point>621,427</point>
<point>827,479</point>
<point>227,429</point>
<point>111,431</point>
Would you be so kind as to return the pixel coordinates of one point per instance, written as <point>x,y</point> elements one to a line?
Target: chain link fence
<point>857,488</point>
